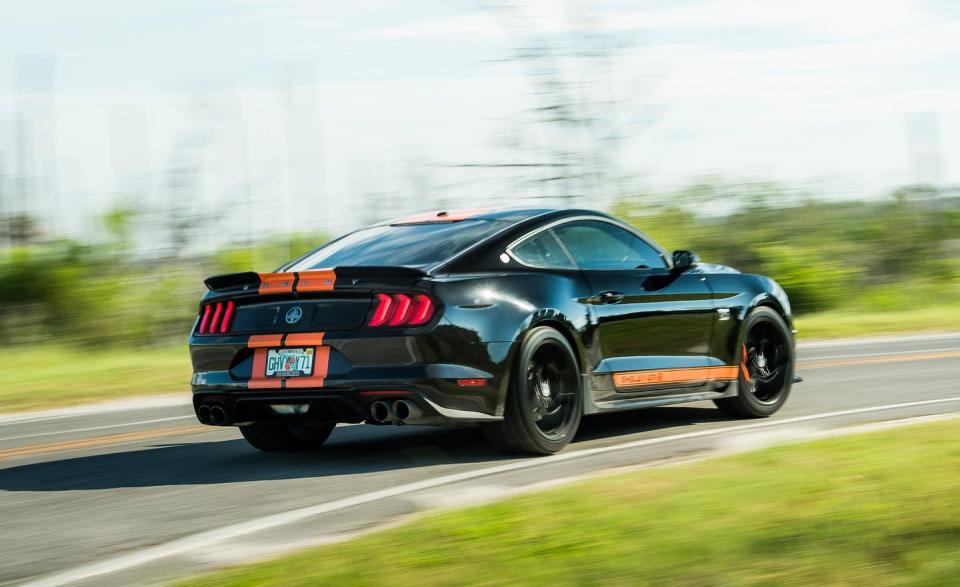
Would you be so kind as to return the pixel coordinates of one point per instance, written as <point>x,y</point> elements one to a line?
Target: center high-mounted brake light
<point>216,318</point>
<point>402,310</point>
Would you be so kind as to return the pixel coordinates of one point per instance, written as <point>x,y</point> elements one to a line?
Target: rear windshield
<point>407,245</point>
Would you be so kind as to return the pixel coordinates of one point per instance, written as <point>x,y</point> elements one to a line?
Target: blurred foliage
<point>892,253</point>
<point>103,295</point>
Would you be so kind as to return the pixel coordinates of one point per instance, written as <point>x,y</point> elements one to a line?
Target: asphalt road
<point>145,494</point>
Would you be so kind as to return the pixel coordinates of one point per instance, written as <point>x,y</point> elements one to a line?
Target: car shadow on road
<point>352,450</point>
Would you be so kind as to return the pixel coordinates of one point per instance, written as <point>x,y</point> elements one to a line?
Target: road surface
<point>146,494</point>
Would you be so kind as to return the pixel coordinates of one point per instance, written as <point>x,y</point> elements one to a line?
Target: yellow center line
<point>36,449</point>
<point>876,360</point>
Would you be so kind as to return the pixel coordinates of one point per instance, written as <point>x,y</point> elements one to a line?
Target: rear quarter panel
<point>497,309</point>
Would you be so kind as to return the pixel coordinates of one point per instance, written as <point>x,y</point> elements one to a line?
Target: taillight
<point>216,318</point>
<point>402,310</point>
<point>422,310</point>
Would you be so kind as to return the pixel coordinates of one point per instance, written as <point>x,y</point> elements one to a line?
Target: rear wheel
<point>766,367</point>
<point>544,403</point>
<point>275,435</point>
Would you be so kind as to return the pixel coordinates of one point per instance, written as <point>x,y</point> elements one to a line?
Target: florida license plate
<point>290,362</point>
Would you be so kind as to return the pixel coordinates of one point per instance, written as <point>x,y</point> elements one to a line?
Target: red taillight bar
<point>402,313</point>
<point>422,310</point>
<point>205,321</point>
<point>402,310</point>
<point>217,310</point>
<point>383,309</point>
<point>227,317</point>
<point>217,318</point>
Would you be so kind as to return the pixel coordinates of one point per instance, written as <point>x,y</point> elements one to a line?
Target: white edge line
<point>912,353</point>
<point>867,340</point>
<point>211,537</point>
<point>160,401</point>
<point>93,428</point>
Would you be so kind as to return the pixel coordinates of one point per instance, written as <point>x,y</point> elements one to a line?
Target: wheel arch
<point>766,300</point>
<point>558,321</point>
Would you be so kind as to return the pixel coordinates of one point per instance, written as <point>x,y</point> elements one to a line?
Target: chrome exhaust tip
<point>406,411</point>
<point>380,411</point>
<point>218,417</point>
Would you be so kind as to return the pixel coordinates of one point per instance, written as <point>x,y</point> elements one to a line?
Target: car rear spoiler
<point>344,277</point>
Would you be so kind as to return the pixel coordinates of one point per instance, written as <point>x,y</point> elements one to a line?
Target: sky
<point>331,114</point>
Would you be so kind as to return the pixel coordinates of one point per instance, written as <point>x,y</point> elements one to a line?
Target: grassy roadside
<point>843,323</point>
<point>47,376</point>
<point>871,509</point>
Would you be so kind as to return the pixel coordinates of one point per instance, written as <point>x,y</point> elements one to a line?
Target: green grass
<point>876,509</point>
<point>842,323</point>
<point>43,376</point>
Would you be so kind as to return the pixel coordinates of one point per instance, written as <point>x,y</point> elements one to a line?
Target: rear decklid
<point>320,300</point>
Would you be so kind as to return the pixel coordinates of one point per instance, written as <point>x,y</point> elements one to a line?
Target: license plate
<point>290,362</point>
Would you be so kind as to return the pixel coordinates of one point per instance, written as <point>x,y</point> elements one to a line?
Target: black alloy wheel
<point>545,402</point>
<point>766,361</point>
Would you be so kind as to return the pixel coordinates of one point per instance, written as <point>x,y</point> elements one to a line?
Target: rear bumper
<point>352,403</point>
<point>356,374</point>
<point>350,406</point>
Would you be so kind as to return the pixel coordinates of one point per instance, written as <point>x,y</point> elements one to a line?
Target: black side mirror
<point>683,260</point>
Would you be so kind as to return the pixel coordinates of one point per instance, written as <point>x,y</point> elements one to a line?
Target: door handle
<point>611,297</point>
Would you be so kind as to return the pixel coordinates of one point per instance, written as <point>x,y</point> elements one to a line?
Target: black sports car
<point>520,321</point>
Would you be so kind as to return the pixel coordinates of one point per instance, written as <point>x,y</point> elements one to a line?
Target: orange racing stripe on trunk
<point>260,341</point>
<point>304,339</point>
<point>318,280</point>
<point>275,283</point>
<point>258,378</point>
<point>667,376</point>
<point>320,364</point>
<point>263,342</point>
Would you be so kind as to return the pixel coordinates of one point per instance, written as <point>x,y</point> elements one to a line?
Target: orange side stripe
<point>275,283</point>
<point>319,280</point>
<point>635,378</point>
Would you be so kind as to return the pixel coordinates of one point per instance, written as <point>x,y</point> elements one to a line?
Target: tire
<point>545,400</point>
<point>274,435</point>
<point>766,366</point>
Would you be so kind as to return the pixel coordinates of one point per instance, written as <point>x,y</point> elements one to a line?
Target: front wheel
<point>545,402</point>
<point>767,359</point>
<point>275,435</point>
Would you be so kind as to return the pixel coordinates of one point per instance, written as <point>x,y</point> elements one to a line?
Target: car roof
<point>511,215</point>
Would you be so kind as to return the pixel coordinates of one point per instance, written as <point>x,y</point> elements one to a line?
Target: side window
<point>542,250</point>
<point>601,245</point>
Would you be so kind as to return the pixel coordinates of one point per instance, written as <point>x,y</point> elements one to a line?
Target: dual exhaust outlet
<point>400,411</point>
<point>212,414</point>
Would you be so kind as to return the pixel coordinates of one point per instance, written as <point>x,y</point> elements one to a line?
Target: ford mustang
<point>521,321</point>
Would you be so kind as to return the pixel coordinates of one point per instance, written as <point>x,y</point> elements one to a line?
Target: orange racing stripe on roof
<point>443,216</point>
